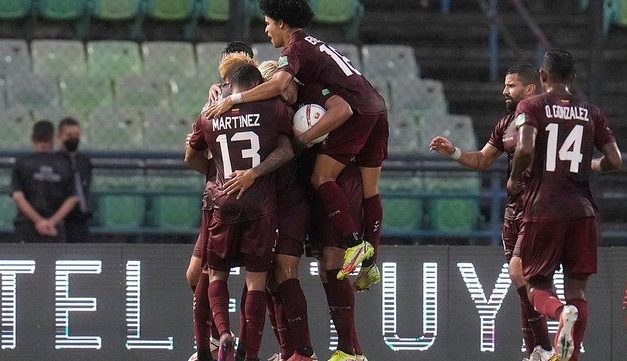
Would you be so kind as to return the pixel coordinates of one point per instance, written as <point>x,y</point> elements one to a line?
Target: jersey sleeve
<point>603,134</point>
<point>290,60</point>
<point>314,94</point>
<point>16,177</point>
<point>284,121</point>
<point>197,142</point>
<point>496,137</point>
<point>526,114</point>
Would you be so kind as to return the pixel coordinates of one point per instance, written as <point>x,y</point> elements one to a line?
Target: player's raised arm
<point>611,160</point>
<point>480,160</point>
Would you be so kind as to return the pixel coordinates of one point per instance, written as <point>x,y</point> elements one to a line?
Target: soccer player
<point>521,82</point>
<point>557,135</point>
<point>364,136</point>
<point>242,230</point>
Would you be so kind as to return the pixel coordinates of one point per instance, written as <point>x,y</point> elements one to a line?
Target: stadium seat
<point>3,93</point>
<point>113,59</point>
<point>55,114</point>
<point>338,12</point>
<point>85,93</point>
<point>32,90</point>
<point>169,59</point>
<point>266,51</point>
<point>62,9</point>
<point>621,16</point>
<point>208,57</point>
<point>351,52</point>
<point>116,10</point>
<point>165,131</point>
<point>404,133</point>
<point>215,10</point>
<point>141,92</point>
<point>189,95</point>
<point>14,58</point>
<point>119,202</point>
<point>115,129</point>
<point>401,205</point>
<point>176,203</point>
<point>17,125</point>
<point>58,57</point>
<point>7,206</point>
<point>423,95</point>
<point>15,9</point>
<point>457,128</point>
<point>171,10</point>
<point>391,61</point>
<point>453,214</point>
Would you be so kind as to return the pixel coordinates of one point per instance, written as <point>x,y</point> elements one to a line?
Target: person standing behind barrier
<point>42,187</point>
<point>521,82</point>
<point>76,223</point>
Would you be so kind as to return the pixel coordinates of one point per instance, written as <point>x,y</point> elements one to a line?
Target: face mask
<point>71,144</point>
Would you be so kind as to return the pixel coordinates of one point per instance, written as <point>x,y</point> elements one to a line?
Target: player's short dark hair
<point>244,76</point>
<point>67,122</point>
<point>238,47</point>
<point>43,131</point>
<point>527,74</point>
<point>559,63</point>
<point>295,13</point>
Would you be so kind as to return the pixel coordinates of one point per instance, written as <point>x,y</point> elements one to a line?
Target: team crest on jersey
<point>282,62</point>
<point>520,120</point>
<point>325,92</point>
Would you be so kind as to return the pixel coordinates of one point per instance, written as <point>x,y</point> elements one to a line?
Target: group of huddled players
<point>271,192</point>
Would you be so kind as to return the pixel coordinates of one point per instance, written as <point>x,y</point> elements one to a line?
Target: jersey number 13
<point>252,152</point>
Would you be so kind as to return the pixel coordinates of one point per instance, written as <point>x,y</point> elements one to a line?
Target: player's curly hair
<point>238,46</point>
<point>231,61</point>
<point>295,13</point>
<point>268,68</point>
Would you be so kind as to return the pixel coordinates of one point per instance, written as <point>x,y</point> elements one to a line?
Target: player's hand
<point>442,145</point>
<point>46,227</point>
<point>215,93</point>
<point>240,181</point>
<point>514,186</point>
<point>218,108</point>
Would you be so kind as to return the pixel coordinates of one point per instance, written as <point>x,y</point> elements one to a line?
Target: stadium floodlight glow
<point>133,313</point>
<point>429,309</point>
<point>9,270</point>
<point>488,308</point>
<point>64,304</point>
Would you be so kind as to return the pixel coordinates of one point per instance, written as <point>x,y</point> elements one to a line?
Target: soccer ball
<point>305,117</point>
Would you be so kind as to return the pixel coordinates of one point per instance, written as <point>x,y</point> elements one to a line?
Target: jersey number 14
<point>569,151</point>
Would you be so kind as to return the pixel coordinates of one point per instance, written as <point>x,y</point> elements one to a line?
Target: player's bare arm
<point>523,156</point>
<point>240,180</point>
<point>337,112</point>
<point>268,90</point>
<point>610,161</point>
<point>64,210</point>
<point>480,160</point>
<point>196,160</point>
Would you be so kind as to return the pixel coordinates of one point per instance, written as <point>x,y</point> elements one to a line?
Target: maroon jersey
<point>240,139</point>
<point>312,61</point>
<point>504,138</point>
<point>568,130</point>
<point>314,93</point>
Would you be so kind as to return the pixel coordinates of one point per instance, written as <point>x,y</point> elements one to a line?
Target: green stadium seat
<point>17,125</point>
<point>215,10</point>
<point>392,61</point>
<point>32,90</point>
<point>176,205</point>
<point>453,214</point>
<point>58,57</point>
<point>208,57</point>
<point>14,58</point>
<point>124,210</point>
<point>115,129</point>
<point>15,9</point>
<point>266,51</point>
<point>423,95</point>
<point>351,52</point>
<point>189,95</point>
<point>7,206</point>
<point>116,10</point>
<point>141,92</point>
<point>171,10</point>
<point>55,114</point>
<point>169,59</point>
<point>113,59</point>
<point>401,205</point>
<point>621,16</point>
<point>340,12</point>
<point>62,9</point>
<point>165,131</point>
<point>85,93</point>
<point>457,128</point>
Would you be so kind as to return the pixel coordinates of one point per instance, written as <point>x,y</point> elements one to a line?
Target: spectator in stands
<point>76,223</point>
<point>42,187</point>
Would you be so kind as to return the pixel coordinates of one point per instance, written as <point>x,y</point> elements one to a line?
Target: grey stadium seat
<point>266,51</point>
<point>208,56</point>
<point>32,90</point>
<point>165,131</point>
<point>420,94</point>
<point>457,128</point>
<point>115,129</point>
<point>17,125</point>
<point>392,61</point>
<point>169,58</point>
<point>14,58</point>
<point>58,57</point>
<point>404,133</point>
<point>141,92</point>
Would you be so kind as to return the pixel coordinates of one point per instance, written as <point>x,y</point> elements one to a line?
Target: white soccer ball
<point>305,117</point>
